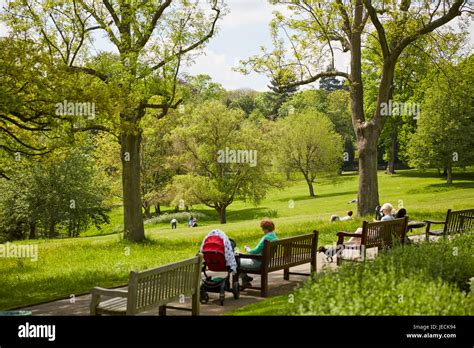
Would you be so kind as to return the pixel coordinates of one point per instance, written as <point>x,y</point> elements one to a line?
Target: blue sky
<point>241,34</point>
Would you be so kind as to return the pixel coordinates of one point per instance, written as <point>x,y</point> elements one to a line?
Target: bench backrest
<point>384,234</point>
<point>161,285</point>
<point>459,220</point>
<point>289,252</point>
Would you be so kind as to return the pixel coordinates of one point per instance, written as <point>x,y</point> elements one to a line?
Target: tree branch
<point>159,12</point>
<point>379,27</point>
<point>193,46</point>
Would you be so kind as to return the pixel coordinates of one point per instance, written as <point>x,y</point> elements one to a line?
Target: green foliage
<point>62,195</point>
<point>442,139</point>
<point>308,143</point>
<point>415,280</point>
<point>227,157</point>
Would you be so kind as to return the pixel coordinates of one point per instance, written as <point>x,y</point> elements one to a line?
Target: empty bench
<point>154,288</point>
<point>457,221</point>
<point>282,254</point>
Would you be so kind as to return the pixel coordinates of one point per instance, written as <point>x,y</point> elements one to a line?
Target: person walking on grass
<point>268,228</point>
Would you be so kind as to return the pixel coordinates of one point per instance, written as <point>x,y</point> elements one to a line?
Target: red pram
<point>213,250</point>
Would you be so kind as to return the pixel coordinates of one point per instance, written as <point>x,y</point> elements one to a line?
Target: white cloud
<point>247,12</point>
<point>219,67</point>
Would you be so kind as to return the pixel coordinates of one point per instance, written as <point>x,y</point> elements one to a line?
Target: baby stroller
<point>214,254</point>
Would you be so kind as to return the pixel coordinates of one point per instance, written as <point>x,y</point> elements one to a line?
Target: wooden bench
<point>282,254</point>
<point>457,221</point>
<point>380,235</point>
<point>152,288</point>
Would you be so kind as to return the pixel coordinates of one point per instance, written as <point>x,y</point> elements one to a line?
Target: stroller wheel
<point>236,290</point>
<point>203,297</point>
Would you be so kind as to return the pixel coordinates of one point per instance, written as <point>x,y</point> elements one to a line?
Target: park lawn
<point>73,266</point>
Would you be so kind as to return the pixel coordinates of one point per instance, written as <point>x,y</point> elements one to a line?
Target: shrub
<point>181,217</point>
<point>424,279</point>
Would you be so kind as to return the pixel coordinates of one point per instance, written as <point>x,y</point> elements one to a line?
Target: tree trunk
<point>368,194</point>
<point>32,231</point>
<point>393,151</point>
<point>449,175</point>
<point>157,209</point>
<point>132,202</point>
<point>51,230</point>
<point>147,208</point>
<point>222,214</point>
<point>311,188</point>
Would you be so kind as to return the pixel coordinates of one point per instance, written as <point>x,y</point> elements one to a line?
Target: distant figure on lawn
<point>190,221</point>
<point>268,228</point>
<point>344,218</point>
<point>174,223</point>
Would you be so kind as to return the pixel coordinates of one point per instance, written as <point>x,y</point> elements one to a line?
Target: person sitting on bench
<point>268,228</point>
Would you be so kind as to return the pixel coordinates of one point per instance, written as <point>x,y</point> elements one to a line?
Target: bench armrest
<point>432,222</point>
<point>109,292</point>
<point>248,256</point>
<point>342,235</point>
<point>435,222</point>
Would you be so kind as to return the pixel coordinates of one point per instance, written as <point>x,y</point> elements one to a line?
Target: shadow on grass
<point>325,195</point>
<point>461,175</point>
<point>248,214</point>
<point>433,188</point>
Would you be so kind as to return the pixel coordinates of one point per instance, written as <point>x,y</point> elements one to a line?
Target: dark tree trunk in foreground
<point>132,201</point>
<point>368,196</point>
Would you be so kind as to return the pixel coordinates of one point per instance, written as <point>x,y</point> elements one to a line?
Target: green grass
<point>73,266</point>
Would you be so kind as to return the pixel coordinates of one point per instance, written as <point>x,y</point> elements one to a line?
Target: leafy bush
<point>425,279</point>
<point>181,217</point>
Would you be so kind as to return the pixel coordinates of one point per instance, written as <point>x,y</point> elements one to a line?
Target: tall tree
<point>320,28</point>
<point>227,158</point>
<point>152,40</point>
<point>443,137</point>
